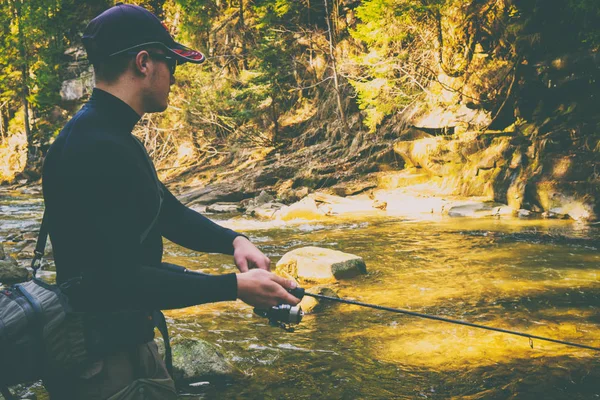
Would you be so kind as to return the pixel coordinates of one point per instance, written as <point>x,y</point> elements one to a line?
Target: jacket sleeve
<point>109,187</point>
<point>190,229</point>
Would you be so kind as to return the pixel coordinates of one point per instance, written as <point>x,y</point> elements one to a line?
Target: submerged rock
<point>198,359</point>
<point>315,264</point>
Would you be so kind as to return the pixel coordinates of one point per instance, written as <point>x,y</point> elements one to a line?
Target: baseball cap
<point>127,27</point>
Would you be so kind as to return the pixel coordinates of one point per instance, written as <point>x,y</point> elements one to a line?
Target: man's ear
<point>142,60</point>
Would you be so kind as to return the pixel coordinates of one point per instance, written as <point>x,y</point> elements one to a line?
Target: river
<point>537,276</point>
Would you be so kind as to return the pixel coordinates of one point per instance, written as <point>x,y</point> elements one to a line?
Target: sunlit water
<point>536,276</point>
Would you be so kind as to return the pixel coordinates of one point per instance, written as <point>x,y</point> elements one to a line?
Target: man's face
<point>159,81</point>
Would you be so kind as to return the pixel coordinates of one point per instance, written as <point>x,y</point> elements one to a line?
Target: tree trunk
<point>3,124</point>
<point>24,81</point>
<point>275,118</point>
<point>334,68</point>
<point>243,35</point>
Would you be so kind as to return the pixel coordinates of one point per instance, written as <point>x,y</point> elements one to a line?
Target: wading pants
<point>138,374</point>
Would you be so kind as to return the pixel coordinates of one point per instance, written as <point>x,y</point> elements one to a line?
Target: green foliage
<point>391,73</point>
<point>587,14</point>
<point>35,35</point>
<point>264,56</point>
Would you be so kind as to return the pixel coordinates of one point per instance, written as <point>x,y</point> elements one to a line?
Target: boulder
<point>310,304</point>
<point>11,272</point>
<point>197,359</point>
<point>315,264</point>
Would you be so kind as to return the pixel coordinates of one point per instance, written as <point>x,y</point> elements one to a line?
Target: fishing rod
<point>285,315</point>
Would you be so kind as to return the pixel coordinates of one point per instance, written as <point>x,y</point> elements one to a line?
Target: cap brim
<point>185,54</point>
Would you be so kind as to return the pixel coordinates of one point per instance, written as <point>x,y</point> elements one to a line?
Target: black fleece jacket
<point>102,194</point>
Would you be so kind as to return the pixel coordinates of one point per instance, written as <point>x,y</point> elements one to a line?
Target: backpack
<point>38,328</point>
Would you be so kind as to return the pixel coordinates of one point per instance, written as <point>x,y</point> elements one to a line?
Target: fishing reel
<point>284,315</point>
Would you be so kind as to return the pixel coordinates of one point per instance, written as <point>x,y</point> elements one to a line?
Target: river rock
<point>11,272</point>
<point>195,359</point>
<point>223,207</point>
<point>30,235</point>
<point>26,251</point>
<point>310,304</point>
<point>262,198</point>
<point>555,201</point>
<point>267,210</point>
<point>480,209</point>
<point>336,205</point>
<point>32,190</point>
<point>304,209</point>
<point>212,193</point>
<point>401,202</point>
<point>523,213</point>
<point>315,264</point>
<point>2,252</point>
<point>14,237</point>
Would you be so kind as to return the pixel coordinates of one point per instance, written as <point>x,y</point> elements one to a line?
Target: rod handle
<point>297,292</point>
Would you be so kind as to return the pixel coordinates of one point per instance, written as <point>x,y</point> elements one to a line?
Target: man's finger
<point>289,299</point>
<point>264,263</point>
<point>242,264</point>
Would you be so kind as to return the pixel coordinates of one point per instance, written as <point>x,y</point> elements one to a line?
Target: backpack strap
<point>161,323</point>
<point>40,245</point>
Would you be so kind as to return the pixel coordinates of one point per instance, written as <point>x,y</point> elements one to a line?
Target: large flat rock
<point>316,264</point>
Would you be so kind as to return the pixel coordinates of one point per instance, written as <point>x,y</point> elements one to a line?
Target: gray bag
<point>31,315</point>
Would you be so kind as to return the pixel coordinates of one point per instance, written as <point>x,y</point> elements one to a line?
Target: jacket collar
<point>120,113</point>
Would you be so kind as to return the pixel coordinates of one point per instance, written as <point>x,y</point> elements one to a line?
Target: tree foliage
<point>268,59</point>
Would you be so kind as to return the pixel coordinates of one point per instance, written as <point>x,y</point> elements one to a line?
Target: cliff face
<point>547,163</point>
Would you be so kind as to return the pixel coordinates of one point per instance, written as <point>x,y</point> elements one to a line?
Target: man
<point>107,212</point>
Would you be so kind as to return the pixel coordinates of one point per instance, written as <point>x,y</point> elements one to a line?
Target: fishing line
<point>452,321</point>
<point>285,315</point>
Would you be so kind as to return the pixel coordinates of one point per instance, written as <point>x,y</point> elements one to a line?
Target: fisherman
<point>107,213</point>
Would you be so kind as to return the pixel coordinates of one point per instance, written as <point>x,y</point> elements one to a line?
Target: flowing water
<point>537,276</point>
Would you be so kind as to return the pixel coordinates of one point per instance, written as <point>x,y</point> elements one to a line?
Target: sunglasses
<point>171,61</point>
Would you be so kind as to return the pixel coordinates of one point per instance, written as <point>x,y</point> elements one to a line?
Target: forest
<point>308,94</point>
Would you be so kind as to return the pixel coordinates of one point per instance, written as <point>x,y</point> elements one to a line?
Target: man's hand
<point>264,289</point>
<point>247,256</point>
